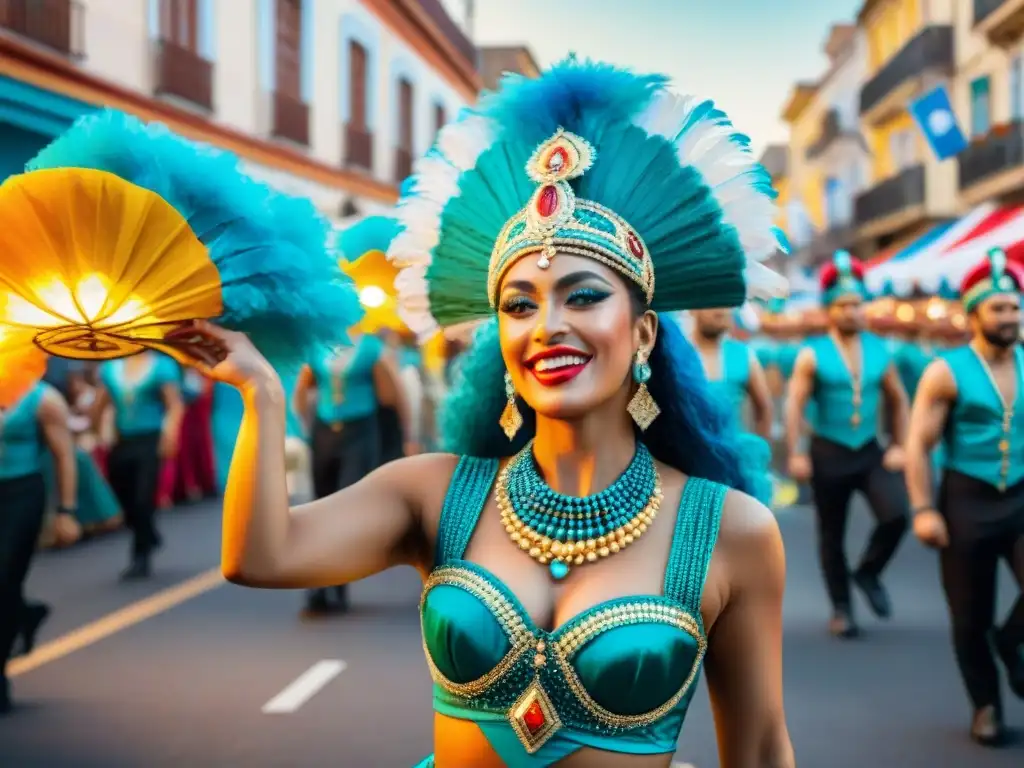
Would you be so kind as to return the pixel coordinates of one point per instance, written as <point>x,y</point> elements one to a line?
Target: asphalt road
<point>188,686</point>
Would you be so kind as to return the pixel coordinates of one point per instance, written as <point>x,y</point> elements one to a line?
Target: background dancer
<point>35,423</point>
<point>146,398</point>
<point>339,393</point>
<point>973,401</point>
<point>734,371</point>
<point>847,374</point>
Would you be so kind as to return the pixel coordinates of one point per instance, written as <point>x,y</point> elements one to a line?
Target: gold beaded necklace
<point>546,550</point>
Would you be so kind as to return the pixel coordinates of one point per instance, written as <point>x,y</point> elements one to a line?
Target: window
<point>179,23</point>
<point>1017,88</point>
<point>405,116</point>
<point>289,48</point>
<point>440,118</point>
<point>901,147</point>
<point>357,72</point>
<point>981,116</point>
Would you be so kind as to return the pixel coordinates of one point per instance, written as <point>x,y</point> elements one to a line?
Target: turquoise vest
<point>345,381</point>
<point>974,440</point>
<point>785,358</point>
<point>835,416</point>
<point>765,351</point>
<point>911,359</point>
<point>20,436</point>
<point>139,405</point>
<point>734,367</point>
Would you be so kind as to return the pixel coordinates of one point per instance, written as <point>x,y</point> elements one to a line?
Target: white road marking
<point>683,765</point>
<point>304,687</point>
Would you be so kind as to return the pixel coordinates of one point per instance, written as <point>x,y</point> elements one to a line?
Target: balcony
<point>358,147</point>
<point>403,164</point>
<point>994,165</point>
<point>55,24</point>
<point>924,61</point>
<point>895,201</point>
<point>824,245</point>
<point>1001,21</point>
<point>832,129</point>
<point>290,118</point>
<point>183,74</point>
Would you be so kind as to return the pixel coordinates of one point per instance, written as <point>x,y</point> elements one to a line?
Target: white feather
<point>463,141</point>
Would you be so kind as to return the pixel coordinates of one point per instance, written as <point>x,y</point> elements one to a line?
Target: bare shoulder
<point>805,359</point>
<point>938,380</point>
<point>750,542</point>
<point>52,404</point>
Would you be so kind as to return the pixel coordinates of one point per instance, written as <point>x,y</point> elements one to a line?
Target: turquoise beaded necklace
<point>559,530</point>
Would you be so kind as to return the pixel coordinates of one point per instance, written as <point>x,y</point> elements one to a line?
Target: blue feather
<point>281,283</point>
<point>569,92</point>
<point>374,233</point>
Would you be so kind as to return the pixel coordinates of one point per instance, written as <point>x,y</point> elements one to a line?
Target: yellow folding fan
<point>122,232</point>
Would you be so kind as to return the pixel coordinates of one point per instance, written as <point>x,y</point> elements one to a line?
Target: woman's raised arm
<point>353,533</point>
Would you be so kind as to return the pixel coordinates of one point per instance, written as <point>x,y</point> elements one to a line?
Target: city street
<point>180,671</point>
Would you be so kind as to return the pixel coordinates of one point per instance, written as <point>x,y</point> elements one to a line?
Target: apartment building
<point>329,99</point>
<point>988,96</point>
<point>828,158</point>
<point>910,50</point>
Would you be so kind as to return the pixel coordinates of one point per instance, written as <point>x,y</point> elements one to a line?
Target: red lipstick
<point>557,365</point>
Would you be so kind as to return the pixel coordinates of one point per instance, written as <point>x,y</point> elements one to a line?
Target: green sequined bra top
<point>618,677</point>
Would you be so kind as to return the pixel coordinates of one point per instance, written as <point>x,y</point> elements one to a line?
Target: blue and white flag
<point>934,115</point>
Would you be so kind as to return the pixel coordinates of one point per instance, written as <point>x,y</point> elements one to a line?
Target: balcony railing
<point>184,74</point>
<point>358,147</point>
<point>403,164</point>
<point>1001,20</point>
<point>832,128</point>
<point>290,118</point>
<point>902,191</point>
<point>1001,150</point>
<point>437,13</point>
<point>55,24</point>
<point>930,50</point>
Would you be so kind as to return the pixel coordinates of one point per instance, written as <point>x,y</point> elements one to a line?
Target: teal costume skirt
<point>426,762</point>
<point>97,504</point>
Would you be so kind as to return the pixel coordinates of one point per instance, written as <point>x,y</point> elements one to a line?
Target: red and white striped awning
<point>1002,227</point>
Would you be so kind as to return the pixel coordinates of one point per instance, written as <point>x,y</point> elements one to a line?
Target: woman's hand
<point>223,355</point>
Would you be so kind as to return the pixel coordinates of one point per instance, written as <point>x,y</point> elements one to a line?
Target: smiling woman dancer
<point>556,633</point>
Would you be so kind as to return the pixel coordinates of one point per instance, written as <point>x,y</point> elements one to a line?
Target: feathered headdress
<point>843,276</point>
<point>995,274</point>
<point>362,249</point>
<point>591,160</point>
<point>120,232</point>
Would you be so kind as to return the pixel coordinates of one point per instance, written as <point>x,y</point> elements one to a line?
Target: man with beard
<point>971,400</point>
<point>847,374</point>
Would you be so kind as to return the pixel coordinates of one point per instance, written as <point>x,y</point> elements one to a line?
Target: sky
<point>743,54</point>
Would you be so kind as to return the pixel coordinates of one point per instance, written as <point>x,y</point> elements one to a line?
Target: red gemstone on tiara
<point>533,718</point>
<point>635,246</point>
<point>558,159</point>
<point>547,201</point>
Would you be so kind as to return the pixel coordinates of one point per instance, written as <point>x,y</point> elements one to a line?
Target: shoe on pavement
<point>875,593</point>
<point>987,727</point>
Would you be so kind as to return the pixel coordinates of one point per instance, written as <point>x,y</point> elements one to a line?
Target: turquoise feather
<point>281,282</point>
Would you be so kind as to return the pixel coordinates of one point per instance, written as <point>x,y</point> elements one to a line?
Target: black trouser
<point>343,454</point>
<point>985,526</point>
<point>22,507</point>
<point>838,472</point>
<point>134,469</point>
<point>391,442</point>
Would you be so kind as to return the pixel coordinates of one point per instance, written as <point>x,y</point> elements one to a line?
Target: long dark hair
<point>695,432</point>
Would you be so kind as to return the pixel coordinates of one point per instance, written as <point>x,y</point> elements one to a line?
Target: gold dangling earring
<point>511,419</point>
<point>641,406</point>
